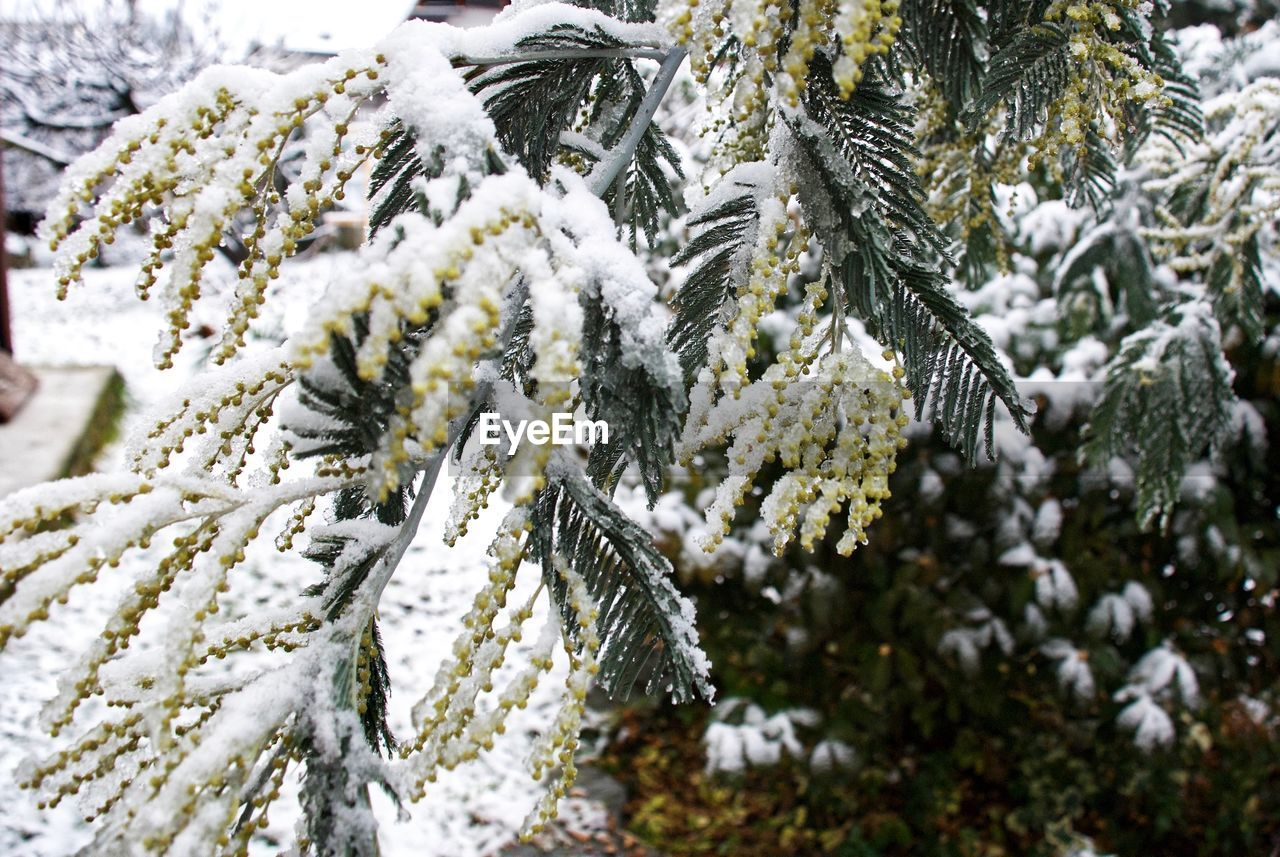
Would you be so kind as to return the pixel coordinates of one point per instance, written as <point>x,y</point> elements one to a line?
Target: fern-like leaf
<point>1166,403</point>
<point>1180,119</point>
<point>1027,75</point>
<point>533,103</point>
<point>718,253</point>
<point>946,39</point>
<point>1122,256</point>
<point>641,410</point>
<point>1089,171</point>
<point>647,630</point>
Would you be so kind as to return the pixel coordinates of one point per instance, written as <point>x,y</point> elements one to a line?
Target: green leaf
<point>865,145</point>
<point>626,10</point>
<point>946,39</point>
<point>647,190</point>
<point>533,103</point>
<point>392,181</point>
<point>718,253</point>
<point>1089,171</point>
<point>647,631</point>
<point>1027,75</point>
<point>641,410</point>
<point>1180,120</point>
<point>1121,254</point>
<point>1166,402</point>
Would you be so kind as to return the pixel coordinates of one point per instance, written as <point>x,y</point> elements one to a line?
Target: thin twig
<point>620,155</point>
<point>566,54</point>
<point>35,147</point>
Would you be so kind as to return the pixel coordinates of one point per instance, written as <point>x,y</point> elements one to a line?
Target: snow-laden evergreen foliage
<point>515,171</point>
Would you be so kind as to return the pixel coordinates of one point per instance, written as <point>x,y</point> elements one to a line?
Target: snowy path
<point>473,811</point>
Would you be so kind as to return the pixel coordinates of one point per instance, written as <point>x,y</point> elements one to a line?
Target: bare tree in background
<point>69,73</point>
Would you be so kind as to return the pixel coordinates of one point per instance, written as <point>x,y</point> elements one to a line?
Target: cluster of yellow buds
<point>773,258</point>
<point>454,725</point>
<point>203,156</point>
<point>1103,80</point>
<point>1240,171</point>
<point>962,173</point>
<point>31,533</point>
<point>866,28</point>
<point>333,154</point>
<point>858,29</point>
<point>215,430</point>
<point>44,566</point>
<point>450,730</point>
<point>452,278</point>
<point>212,524</point>
<point>198,523</point>
<point>208,781</point>
<point>482,476</point>
<point>296,525</point>
<point>174,736</point>
<point>1104,83</point>
<point>555,366</point>
<point>831,419</point>
<point>441,375</point>
<point>62,774</point>
<point>285,634</point>
<point>558,744</point>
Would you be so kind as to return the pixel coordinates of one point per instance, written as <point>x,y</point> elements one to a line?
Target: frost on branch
<point>1216,203</point>
<point>480,289</point>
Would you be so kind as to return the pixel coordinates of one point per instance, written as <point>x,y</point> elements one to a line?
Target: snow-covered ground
<point>471,812</point>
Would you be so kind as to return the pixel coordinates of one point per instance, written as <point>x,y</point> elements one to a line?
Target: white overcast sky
<point>307,25</point>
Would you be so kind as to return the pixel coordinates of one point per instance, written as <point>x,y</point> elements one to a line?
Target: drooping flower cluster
<point>203,158</point>
<point>454,726</point>
<point>831,419</point>
<point>172,732</point>
<point>820,408</point>
<point>775,43</point>
<point>767,266</point>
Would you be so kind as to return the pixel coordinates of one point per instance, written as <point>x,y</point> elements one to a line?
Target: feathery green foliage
<point>1167,401</point>
<point>887,143</point>
<point>946,39</point>
<point>718,256</point>
<point>643,632</point>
